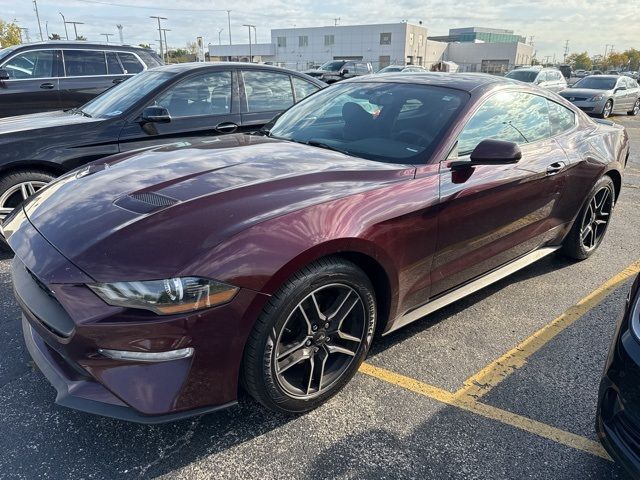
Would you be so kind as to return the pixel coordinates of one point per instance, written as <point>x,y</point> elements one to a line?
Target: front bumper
<point>65,324</point>
<point>589,107</point>
<point>618,417</point>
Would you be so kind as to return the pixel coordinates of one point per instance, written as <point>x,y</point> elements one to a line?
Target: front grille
<point>586,109</point>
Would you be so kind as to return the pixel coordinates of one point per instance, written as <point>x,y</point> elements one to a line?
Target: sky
<point>588,24</point>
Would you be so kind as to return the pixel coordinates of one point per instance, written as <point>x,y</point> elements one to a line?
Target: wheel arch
<point>27,165</point>
<point>616,177</point>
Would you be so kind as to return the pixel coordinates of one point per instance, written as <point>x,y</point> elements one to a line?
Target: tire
<point>579,243</point>
<point>11,194</point>
<point>273,376</point>
<point>636,108</point>
<point>607,109</point>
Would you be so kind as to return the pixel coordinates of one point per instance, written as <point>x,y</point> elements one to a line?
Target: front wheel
<point>636,108</point>
<point>592,222</point>
<point>607,109</point>
<point>311,337</point>
<point>16,187</point>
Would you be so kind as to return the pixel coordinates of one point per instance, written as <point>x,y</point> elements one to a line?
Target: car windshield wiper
<point>75,111</point>
<point>316,143</point>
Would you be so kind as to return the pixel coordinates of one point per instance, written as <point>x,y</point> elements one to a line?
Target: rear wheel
<point>592,222</point>
<point>311,337</point>
<point>16,187</point>
<point>636,108</point>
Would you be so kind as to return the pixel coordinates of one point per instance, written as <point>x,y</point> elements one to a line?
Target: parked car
<point>603,95</point>
<point>270,260</point>
<point>161,105</point>
<point>618,417</point>
<point>580,73</point>
<point>336,70</point>
<point>403,69</point>
<point>613,72</point>
<point>45,76</point>
<point>595,72</point>
<point>631,74</point>
<point>566,71</point>
<point>548,78</point>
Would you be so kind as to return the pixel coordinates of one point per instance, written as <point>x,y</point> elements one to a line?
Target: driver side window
<point>205,94</point>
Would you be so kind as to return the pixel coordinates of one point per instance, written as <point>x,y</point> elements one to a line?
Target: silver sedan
<point>603,95</point>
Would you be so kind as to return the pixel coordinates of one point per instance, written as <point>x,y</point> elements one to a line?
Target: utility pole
<point>229,22</point>
<point>250,27</point>
<point>46,26</point>
<point>220,30</point>
<point>336,21</point>
<point>75,27</point>
<point>605,50</point>
<point>119,27</point>
<point>566,50</point>
<point>35,6</point>
<point>166,45</point>
<point>64,21</point>
<point>106,35</point>
<point>160,34</point>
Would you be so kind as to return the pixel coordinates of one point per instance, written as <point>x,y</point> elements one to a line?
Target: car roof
<point>183,67</point>
<point>79,44</point>
<point>460,81</point>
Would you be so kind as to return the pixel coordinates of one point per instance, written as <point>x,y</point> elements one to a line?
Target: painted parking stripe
<point>482,382</point>
<point>467,403</point>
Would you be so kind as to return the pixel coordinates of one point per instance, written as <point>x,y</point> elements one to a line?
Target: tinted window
<point>362,69</point>
<point>34,64</point>
<point>206,94</point>
<point>83,63</point>
<point>303,88</point>
<point>522,75</point>
<point>332,66</point>
<point>130,63</point>
<point>509,116</point>
<point>363,119</point>
<point>561,118</point>
<point>267,91</point>
<point>113,64</point>
<point>124,96</point>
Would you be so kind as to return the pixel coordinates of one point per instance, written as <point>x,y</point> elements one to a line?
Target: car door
<point>33,85</point>
<point>620,96</point>
<point>264,94</point>
<point>493,214</point>
<point>86,76</point>
<point>201,105</point>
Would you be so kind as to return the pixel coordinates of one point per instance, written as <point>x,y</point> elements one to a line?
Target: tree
<point>144,45</point>
<point>55,36</point>
<point>192,48</point>
<point>81,37</point>
<point>616,60</point>
<point>9,34</point>
<point>634,58</point>
<point>580,61</point>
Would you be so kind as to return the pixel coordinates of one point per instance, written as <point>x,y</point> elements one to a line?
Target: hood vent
<point>144,202</point>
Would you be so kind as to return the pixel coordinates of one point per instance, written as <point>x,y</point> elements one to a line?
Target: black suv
<point>337,70</point>
<point>38,77</point>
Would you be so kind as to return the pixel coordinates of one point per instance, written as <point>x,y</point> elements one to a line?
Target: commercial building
<point>475,49</point>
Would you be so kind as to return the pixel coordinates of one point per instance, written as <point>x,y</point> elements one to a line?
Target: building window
<point>303,41</point>
<point>282,41</point>
<point>385,61</point>
<point>385,39</point>
<point>411,39</point>
<point>329,40</point>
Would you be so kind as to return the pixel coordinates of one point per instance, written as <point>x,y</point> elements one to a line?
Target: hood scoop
<point>144,202</point>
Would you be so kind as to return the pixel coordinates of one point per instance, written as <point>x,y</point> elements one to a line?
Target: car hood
<point>37,121</point>
<point>147,214</point>
<point>582,92</point>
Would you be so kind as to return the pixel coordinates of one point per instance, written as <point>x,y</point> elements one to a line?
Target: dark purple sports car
<point>155,283</point>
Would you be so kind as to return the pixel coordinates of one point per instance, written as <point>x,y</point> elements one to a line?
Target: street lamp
<point>75,28</point>
<point>220,30</point>
<point>166,45</point>
<point>64,21</point>
<point>160,34</point>
<point>106,35</point>
<point>249,27</point>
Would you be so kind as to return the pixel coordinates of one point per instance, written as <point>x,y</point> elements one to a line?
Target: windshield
<point>596,83</point>
<point>332,66</point>
<point>391,69</point>
<point>120,98</point>
<point>522,75</point>
<point>394,122</point>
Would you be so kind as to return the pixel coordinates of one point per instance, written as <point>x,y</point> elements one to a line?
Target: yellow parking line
<point>466,403</point>
<point>480,383</point>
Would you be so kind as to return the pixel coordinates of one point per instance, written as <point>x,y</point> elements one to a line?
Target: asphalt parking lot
<point>501,385</point>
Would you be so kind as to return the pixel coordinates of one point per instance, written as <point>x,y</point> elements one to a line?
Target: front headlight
<point>597,98</point>
<point>166,297</point>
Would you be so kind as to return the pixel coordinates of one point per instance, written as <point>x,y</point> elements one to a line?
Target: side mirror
<point>619,89</point>
<point>4,74</point>
<point>344,72</point>
<point>155,115</point>
<point>490,152</point>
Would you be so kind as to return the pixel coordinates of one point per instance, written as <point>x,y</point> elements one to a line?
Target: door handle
<point>555,168</point>
<point>47,86</point>
<point>226,127</point>
<point>117,81</point>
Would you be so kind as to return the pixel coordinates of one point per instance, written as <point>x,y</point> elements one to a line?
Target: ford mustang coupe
<point>155,283</point>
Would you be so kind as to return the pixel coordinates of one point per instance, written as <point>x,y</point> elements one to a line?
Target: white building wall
<point>470,55</point>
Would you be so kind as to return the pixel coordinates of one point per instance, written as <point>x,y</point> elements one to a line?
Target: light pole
<point>160,34</point>
<point>220,30</point>
<point>166,45</point>
<point>229,22</point>
<point>35,6</point>
<point>75,28</point>
<point>64,21</point>
<point>249,27</point>
<point>106,35</point>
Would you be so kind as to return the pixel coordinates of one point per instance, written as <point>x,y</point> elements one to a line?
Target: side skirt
<point>471,287</point>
